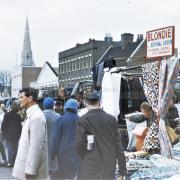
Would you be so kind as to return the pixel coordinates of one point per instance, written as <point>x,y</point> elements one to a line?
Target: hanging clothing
<point>137,92</point>
<point>95,73</point>
<point>151,80</point>
<point>100,74</point>
<point>168,73</point>
<point>111,93</point>
<point>123,103</point>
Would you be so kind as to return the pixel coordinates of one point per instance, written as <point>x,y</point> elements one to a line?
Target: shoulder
<point>38,114</point>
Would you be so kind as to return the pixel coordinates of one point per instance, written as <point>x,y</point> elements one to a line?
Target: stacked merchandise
<point>176,151</point>
<point>137,160</point>
<point>163,168</point>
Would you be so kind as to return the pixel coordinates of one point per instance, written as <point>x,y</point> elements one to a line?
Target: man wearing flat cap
<point>98,143</point>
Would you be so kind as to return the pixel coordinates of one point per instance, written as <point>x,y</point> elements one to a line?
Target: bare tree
<point>5,80</point>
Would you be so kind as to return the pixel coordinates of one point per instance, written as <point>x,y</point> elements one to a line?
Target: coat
<point>100,162</point>
<point>63,145</point>
<point>32,155</point>
<point>1,120</point>
<point>11,126</point>
<point>51,120</point>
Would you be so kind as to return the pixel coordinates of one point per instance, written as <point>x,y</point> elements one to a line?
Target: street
<point>6,173</point>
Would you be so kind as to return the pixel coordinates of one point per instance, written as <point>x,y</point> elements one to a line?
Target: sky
<point>57,25</point>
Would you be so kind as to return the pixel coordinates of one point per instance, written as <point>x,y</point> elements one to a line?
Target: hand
<point>30,176</point>
<point>122,178</point>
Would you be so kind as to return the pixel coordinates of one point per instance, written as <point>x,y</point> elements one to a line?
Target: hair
<point>71,110</point>
<point>58,103</point>
<point>146,107</point>
<point>15,106</point>
<point>92,102</point>
<point>174,98</point>
<point>30,92</point>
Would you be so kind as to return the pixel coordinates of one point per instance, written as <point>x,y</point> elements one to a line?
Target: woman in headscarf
<point>63,141</point>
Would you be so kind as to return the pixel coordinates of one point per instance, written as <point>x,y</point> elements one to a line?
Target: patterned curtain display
<point>168,73</point>
<point>151,90</point>
<point>150,81</point>
<point>159,82</point>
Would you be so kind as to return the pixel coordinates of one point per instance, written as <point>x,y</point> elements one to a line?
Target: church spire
<point>26,56</point>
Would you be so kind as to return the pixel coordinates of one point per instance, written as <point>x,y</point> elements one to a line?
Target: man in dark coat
<point>11,128</point>
<point>98,143</point>
<point>63,141</point>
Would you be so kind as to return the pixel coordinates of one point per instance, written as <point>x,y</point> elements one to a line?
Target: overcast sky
<point>56,25</point>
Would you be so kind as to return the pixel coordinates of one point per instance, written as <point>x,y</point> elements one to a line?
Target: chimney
<point>139,37</point>
<point>126,39</point>
<point>108,38</point>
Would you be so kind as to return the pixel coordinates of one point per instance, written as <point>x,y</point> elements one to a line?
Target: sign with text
<point>160,42</point>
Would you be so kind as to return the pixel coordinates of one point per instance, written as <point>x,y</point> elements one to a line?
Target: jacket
<point>51,120</point>
<point>32,155</point>
<point>100,162</point>
<point>1,120</point>
<point>11,126</point>
<point>63,145</point>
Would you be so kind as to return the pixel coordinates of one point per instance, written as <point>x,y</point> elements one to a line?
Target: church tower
<point>26,56</point>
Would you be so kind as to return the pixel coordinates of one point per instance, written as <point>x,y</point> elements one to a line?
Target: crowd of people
<point>50,144</point>
<point>58,142</point>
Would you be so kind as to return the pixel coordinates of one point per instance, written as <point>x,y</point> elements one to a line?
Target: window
<point>80,64</point>
<point>87,63</point>
<point>90,59</point>
<point>84,63</point>
<point>67,67</point>
<point>64,67</point>
<point>70,66</point>
<point>77,64</point>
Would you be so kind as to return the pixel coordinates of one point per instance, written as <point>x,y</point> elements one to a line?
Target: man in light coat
<point>32,157</point>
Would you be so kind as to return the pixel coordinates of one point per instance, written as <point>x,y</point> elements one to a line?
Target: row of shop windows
<point>75,64</point>
<point>16,76</point>
<point>66,82</point>
<point>16,90</point>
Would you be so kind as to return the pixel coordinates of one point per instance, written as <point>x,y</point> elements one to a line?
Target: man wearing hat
<point>98,143</point>
<point>51,119</point>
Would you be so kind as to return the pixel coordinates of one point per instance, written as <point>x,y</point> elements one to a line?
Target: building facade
<point>26,72</point>
<point>76,64</point>
<point>47,81</point>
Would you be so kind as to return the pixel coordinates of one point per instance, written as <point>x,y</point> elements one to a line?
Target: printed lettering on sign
<point>160,42</point>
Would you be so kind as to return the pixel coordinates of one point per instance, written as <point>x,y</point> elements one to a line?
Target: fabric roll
<point>168,73</point>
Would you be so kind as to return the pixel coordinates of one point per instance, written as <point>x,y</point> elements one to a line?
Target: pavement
<point>6,173</point>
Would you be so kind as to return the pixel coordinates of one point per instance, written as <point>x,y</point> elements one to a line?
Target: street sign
<point>160,42</point>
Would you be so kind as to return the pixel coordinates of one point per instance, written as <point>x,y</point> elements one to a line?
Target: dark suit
<point>11,128</point>
<point>99,163</point>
